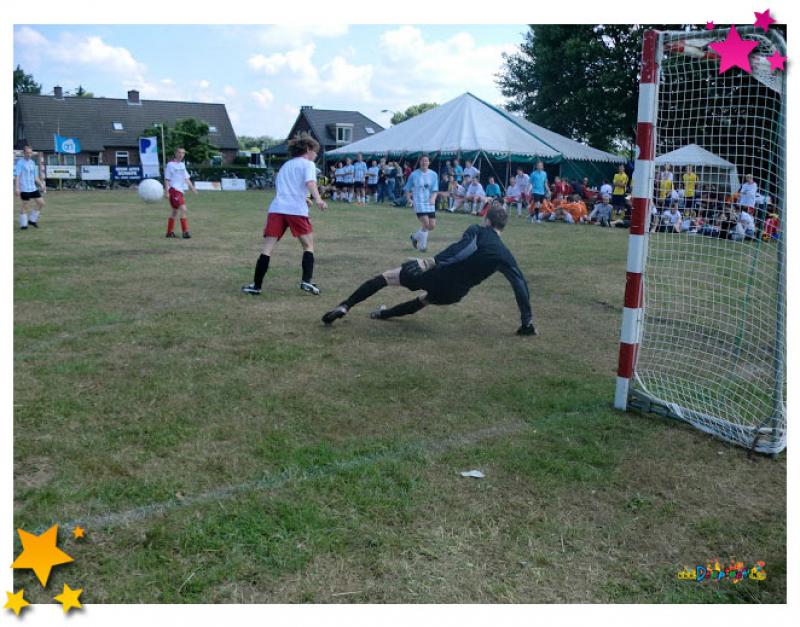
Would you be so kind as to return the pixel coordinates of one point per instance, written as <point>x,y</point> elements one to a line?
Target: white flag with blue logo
<point>148,154</point>
<point>67,145</point>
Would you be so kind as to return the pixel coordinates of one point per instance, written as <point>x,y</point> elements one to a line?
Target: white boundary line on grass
<point>137,514</point>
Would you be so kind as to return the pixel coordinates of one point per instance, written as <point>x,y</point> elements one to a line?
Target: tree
<point>190,134</point>
<point>578,80</point>
<point>80,92</point>
<point>262,142</point>
<point>412,111</point>
<point>24,83</point>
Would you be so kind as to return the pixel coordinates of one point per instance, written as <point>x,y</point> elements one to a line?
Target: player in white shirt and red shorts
<point>177,181</point>
<point>289,210</point>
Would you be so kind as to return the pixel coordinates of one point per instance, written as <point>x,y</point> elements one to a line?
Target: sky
<point>264,74</point>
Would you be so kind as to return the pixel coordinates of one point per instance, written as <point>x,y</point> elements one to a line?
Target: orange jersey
<point>576,209</point>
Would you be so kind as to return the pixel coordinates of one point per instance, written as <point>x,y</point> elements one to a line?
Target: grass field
<point>225,448</point>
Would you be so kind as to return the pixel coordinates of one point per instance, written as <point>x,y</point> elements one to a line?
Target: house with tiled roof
<point>109,128</point>
<point>331,128</point>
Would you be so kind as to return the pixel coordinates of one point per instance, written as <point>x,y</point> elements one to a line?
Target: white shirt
<point>475,189</point>
<point>746,221</point>
<point>372,175</point>
<point>27,171</point>
<point>606,189</point>
<point>176,175</point>
<point>471,171</point>
<point>523,182</point>
<point>674,217</point>
<point>748,194</point>
<point>512,191</point>
<point>290,187</point>
<point>422,186</point>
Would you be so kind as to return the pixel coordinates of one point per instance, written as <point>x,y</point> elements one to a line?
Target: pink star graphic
<point>709,25</point>
<point>734,51</point>
<point>763,20</point>
<point>776,61</point>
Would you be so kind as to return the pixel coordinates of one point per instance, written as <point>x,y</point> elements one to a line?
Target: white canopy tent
<point>711,169</point>
<point>469,127</point>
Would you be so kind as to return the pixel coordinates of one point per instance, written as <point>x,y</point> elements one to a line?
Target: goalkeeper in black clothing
<point>449,276</point>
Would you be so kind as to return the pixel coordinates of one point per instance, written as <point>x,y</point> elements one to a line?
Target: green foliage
<point>402,116</point>
<point>262,142</point>
<point>190,134</point>
<point>80,92</point>
<point>578,80</point>
<point>24,83</point>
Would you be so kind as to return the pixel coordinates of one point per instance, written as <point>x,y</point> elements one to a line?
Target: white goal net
<point>712,346</point>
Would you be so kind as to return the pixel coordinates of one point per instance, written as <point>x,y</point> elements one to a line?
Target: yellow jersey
<point>620,183</point>
<point>689,181</point>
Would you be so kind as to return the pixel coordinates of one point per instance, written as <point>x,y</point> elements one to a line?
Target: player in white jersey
<point>421,188</point>
<point>360,179</point>
<point>177,181</point>
<point>349,178</point>
<point>471,171</point>
<point>339,182</point>
<point>289,210</point>
<point>475,195</point>
<point>26,180</point>
<point>373,173</point>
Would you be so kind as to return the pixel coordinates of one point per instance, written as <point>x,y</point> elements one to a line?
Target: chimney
<point>58,93</point>
<point>133,97</point>
<point>306,107</point>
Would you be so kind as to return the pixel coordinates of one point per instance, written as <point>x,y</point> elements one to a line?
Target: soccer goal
<point>703,328</point>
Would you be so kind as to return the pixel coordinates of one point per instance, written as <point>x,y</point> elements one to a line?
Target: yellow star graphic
<point>40,553</point>
<point>69,598</point>
<point>16,601</point>
<point>78,532</point>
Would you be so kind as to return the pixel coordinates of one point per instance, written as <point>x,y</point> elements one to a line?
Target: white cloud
<point>204,84</point>
<point>263,97</point>
<point>297,35</point>
<point>27,36</point>
<point>229,91</point>
<point>414,69</point>
<point>296,62</point>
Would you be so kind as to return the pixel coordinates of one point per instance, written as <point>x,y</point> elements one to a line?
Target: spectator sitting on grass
<point>670,221</point>
<point>601,214</point>
<point>745,227</point>
<point>475,195</point>
<point>625,222</point>
<point>513,196</point>
<point>493,189</point>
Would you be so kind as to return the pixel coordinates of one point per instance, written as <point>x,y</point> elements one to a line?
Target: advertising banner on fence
<point>95,173</point>
<point>148,154</point>
<point>234,185</point>
<point>61,172</point>
<point>207,186</point>
<point>126,173</point>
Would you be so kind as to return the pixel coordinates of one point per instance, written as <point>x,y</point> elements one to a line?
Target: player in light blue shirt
<point>422,188</point>
<point>373,173</point>
<point>359,179</point>
<point>26,178</point>
<point>349,173</point>
<point>539,188</point>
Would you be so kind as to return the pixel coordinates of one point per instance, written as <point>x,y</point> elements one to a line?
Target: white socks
<point>422,239</point>
<point>23,220</point>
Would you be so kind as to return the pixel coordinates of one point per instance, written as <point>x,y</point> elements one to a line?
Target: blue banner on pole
<point>67,145</point>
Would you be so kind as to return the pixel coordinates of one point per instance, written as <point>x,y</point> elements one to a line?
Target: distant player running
<point>289,210</point>
<point>449,276</point>
<point>26,181</point>
<point>422,188</point>
<point>177,181</point>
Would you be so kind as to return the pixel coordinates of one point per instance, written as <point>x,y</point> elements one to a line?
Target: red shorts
<point>277,223</point>
<point>176,198</point>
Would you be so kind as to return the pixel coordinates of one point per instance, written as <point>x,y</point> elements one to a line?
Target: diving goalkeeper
<point>448,277</point>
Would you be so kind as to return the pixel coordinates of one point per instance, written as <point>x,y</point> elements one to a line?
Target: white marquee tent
<point>710,168</point>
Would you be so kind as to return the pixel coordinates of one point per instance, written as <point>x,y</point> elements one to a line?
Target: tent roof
<point>468,124</point>
<point>692,154</point>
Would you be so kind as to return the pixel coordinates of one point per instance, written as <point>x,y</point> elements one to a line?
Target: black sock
<point>308,266</point>
<point>367,289</point>
<point>403,309</point>
<point>261,269</point>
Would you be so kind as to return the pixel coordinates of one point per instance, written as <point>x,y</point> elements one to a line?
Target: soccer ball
<point>150,190</point>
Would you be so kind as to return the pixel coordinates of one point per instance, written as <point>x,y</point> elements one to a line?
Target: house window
<point>212,129</point>
<point>122,157</point>
<point>344,134</point>
<point>69,159</point>
<point>52,159</point>
<point>94,159</point>
<point>370,130</point>
<point>118,126</point>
